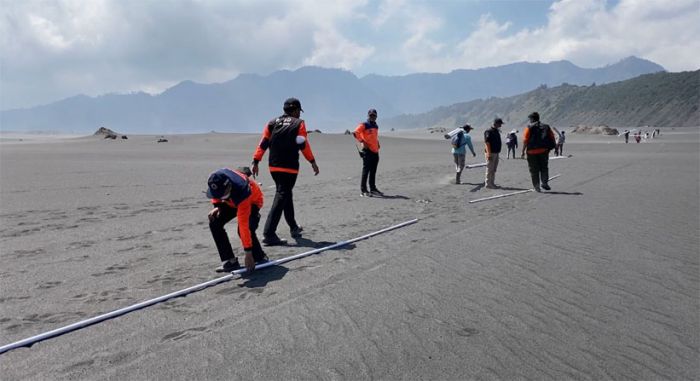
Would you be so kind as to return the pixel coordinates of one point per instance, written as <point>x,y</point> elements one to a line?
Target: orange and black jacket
<point>245,193</point>
<point>535,143</point>
<point>368,133</point>
<point>285,136</point>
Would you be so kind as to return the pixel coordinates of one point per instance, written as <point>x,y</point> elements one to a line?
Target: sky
<point>50,50</point>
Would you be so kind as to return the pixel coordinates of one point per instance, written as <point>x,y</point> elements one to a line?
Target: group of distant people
<point>538,140</point>
<point>638,135</point>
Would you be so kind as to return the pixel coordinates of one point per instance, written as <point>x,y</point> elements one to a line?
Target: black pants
<point>223,245</point>
<point>283,203</point>
<point>370,161</point>
<point>539,168</point>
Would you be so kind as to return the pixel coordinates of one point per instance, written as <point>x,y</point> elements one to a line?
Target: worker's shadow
<point>393,197</point>
<point>305,242</point>
<point>477,187</point>
<point>262,277</point>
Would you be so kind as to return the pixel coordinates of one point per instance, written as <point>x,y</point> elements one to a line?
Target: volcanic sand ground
<point>597,279</point>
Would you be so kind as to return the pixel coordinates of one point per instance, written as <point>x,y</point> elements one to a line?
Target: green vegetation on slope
<point>661,99</point>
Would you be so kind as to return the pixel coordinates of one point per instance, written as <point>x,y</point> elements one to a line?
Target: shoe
<point>537,189</point>
<point>296,232</point>
<point>229,266</point>
<point>376,192</point>
<point>491,187</point>
<point>264,259</point>
<point>365,194</point>
<point>274,241</point>
<point>546,187</point>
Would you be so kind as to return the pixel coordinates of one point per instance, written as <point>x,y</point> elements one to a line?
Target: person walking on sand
<point>492,143</point>
<point>234,194</point>
<point>459,143</point>
<point>285,136</point>
<point>367,135</point>
<point>511,143</point>
<point>557,136</point>
<point>559,148</point>
<point>638,136</point>
<point>538,140</point>
<point>627,136</point>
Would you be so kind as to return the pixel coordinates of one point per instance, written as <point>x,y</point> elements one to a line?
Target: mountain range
<point>661,99</point>
<point>333,99</point>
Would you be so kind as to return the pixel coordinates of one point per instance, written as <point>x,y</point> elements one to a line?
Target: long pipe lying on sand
<point>81,324</point>
<point>484,164</point>
<point>509,194</point>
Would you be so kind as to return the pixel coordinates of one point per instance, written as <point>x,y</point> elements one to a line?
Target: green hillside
<point>661,100</point>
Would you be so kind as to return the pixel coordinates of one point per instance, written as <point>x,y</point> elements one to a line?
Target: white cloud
<point>583,31</point>
<point>51,49</point>
<point>333,50</point>
<point>55,49</point>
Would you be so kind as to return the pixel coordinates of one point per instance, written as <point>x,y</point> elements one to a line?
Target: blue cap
<point>219,186</point>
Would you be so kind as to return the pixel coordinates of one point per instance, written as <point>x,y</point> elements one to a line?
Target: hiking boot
<point>365,194</point>
<point>537,189</point>
<point>546,187</point>
<point>274,241</point>
<point>296,232</point>
<point>376,192</point>
<point>229,266</point>
<point>491,187</point>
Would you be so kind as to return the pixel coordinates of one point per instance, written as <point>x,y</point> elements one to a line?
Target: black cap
<point>467,127</point>
<point>371,112</point>
<point>219,185</point>
<point>498,121</point>
<point>292,104</point>
<point>534,116</point>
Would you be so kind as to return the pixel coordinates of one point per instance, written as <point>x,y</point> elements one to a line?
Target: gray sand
<point>597,280</point>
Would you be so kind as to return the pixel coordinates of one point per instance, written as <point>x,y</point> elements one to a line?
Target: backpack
<point>539,137</point>
<point>457,140</point>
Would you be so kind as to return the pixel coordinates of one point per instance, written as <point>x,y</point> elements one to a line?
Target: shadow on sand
<point>395,197</point>
<point>305,242</point>
<point>565,193</point>
<point>262,277</point>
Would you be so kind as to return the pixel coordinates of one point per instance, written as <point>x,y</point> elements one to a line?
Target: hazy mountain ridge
<point>660,99</point>
<point>423,92</point>
<point>334,99</point>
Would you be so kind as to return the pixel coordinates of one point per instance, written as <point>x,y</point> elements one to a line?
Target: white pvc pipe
<point>509,194</point>
<point>500,196</point>
<point>475,165</point>
<point>84,323</point>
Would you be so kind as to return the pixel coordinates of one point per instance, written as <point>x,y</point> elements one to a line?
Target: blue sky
<point>51,50</point>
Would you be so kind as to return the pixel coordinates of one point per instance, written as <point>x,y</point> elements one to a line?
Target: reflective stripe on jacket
<point>368,133</point>
<point>285,136</point>
<point>244,194</point>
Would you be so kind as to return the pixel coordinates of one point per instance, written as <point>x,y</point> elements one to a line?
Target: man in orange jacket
<point>234,194</point>
<point>367,134</point>
<point>285,136</point>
